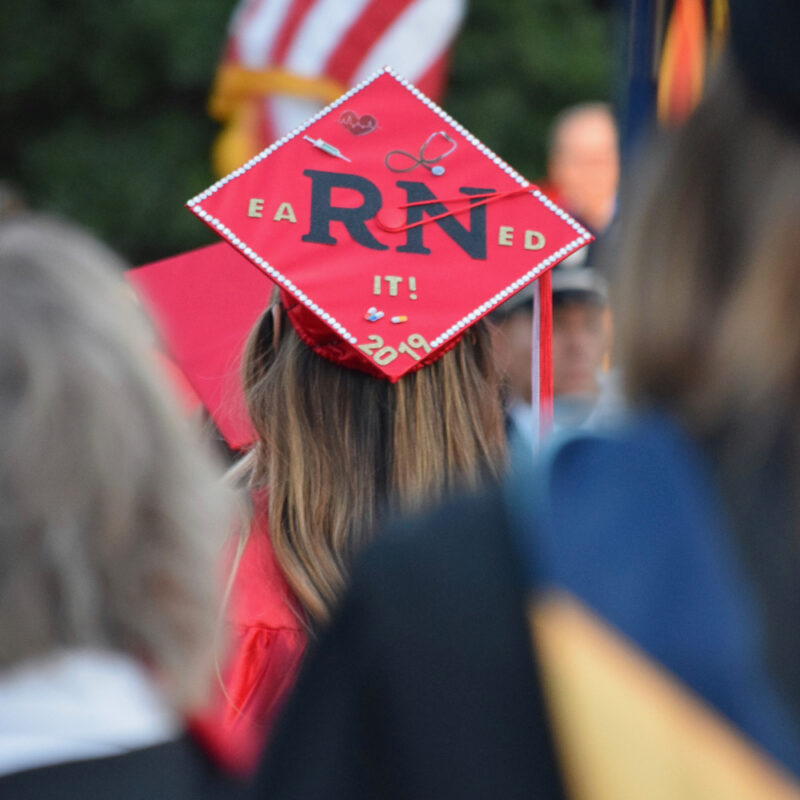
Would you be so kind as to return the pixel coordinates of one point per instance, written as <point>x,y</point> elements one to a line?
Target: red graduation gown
<point>266,644</point>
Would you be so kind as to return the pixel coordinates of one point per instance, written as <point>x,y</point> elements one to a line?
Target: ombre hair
<point>337,449</point>
<point>111,512</point>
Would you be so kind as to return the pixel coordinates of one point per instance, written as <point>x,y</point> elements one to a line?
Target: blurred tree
<point>103,105</point>
<point>102,113</point>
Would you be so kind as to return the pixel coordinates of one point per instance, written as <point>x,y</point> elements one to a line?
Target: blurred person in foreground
<point>111,519</point>
<point>656,568</point>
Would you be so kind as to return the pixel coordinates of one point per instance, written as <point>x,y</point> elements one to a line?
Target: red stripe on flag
<point>374,21</point>
<point>291,23</point>
<point>680,79</point>
<point>545,355</point>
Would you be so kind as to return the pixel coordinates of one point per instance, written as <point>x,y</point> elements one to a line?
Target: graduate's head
<point>707,308</point>
<point>109,508</point>
<point>337,447</point>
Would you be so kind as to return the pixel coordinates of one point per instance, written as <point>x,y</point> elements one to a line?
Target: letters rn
<point>472,239</point>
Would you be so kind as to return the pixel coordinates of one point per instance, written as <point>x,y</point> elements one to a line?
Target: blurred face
<point>580,341</point>
<point>584,167</point>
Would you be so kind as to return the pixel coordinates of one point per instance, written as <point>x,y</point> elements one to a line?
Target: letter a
<point>285,212</point>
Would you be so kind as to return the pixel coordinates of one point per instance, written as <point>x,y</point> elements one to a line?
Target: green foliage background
<point>102,105</point>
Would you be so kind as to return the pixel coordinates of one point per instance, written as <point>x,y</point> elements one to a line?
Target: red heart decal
<point>358,125</point>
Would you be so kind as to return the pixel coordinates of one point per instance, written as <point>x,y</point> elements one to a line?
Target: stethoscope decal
<point>429,163</point>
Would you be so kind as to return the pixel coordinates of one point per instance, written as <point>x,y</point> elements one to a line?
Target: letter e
<point>505,235</point>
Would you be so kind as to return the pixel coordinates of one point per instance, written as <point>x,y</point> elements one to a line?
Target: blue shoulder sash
<point>630,526</point>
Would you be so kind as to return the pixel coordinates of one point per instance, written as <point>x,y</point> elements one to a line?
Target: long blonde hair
<point>338,448</point>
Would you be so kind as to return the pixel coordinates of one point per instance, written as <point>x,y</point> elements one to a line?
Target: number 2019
<point>385,354</point>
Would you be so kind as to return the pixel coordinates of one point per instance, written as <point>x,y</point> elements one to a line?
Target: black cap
<point>578,285</point>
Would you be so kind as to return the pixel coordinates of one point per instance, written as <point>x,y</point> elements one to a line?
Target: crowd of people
<point>397,589</point>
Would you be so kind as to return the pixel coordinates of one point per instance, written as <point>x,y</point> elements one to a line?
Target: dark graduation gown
<point>429,684</point>
<point>176,770</point>
<point>424,686</point>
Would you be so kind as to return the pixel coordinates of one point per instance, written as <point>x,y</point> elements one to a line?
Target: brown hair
<point>111,512</point>
<point>708,305</point>
<point>708,317</point>
<point>338,448</point>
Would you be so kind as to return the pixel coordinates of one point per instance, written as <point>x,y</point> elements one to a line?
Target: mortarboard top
<point>204,303</point>
<point>389,228</point>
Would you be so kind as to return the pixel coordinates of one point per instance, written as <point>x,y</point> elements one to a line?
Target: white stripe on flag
<point>415,40</point>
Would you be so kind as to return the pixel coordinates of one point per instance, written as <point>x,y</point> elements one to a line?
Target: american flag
<point>286,59</point>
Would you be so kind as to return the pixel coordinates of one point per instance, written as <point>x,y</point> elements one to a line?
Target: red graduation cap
<point>389,227</point>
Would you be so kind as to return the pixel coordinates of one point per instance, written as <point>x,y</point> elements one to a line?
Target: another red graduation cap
<point>205,302</point>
